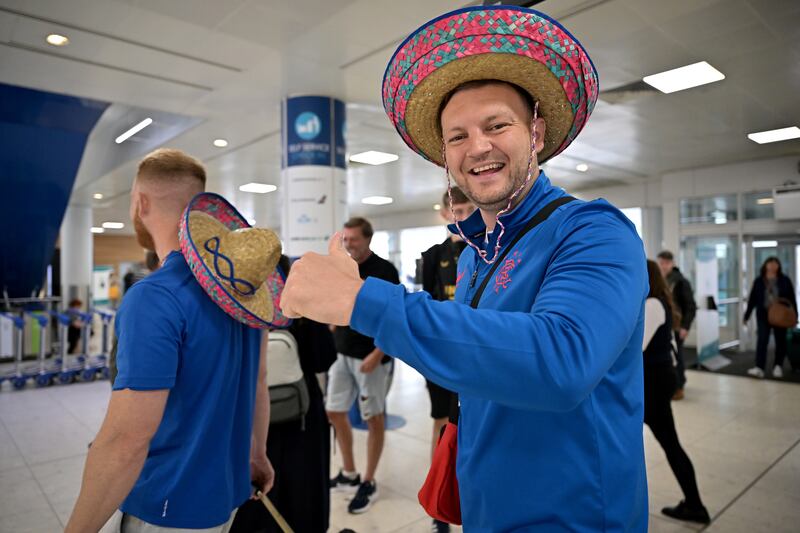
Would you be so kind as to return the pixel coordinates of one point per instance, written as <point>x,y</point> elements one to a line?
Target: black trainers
<point>365,497</point>
<point>440,527</point>
<point>342,483</point>
<point>682,511</point>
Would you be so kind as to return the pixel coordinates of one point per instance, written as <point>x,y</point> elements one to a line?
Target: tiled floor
<point>741,434</point>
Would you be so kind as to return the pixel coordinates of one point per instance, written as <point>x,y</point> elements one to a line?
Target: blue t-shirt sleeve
<point>149,329</point>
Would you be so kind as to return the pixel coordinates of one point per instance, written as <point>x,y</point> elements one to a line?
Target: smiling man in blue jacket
<point>549,365</point>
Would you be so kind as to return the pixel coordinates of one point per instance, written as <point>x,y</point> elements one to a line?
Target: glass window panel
<point>758,205</point>
<point>709,210</point>
<point>635,216</point>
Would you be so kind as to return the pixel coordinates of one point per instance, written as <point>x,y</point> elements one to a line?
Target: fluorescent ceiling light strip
<point>373,157</point>
<point>377,200</point>
<point>772,136</point>
<point>765,201</point>
<point>258,188</point>
<point>98,230</point>
<point>765,244</point>
<point>686,77</point>
<point>133,131</point>
<point>113,225</point>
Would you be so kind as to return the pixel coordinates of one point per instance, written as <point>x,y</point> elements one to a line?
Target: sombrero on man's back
<point>235,263</point>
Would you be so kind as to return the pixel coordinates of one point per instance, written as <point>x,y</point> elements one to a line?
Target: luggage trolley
<point>46,373</point>
<point>106,317</point>
<point>19,376</point>
<point>67,373</point>
<point>92,366</point>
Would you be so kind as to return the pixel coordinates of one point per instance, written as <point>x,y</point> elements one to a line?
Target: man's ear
<point>539,128</point>
<point>145,204</point>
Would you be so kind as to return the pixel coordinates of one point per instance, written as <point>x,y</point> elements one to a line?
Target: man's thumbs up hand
<point>323,287</point>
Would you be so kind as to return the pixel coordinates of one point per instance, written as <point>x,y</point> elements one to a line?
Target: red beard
<point>143,236</point>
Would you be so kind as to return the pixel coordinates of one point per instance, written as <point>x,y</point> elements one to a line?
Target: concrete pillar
<point>77,249</point>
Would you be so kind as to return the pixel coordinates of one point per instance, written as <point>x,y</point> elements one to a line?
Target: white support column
<point>77,253</point>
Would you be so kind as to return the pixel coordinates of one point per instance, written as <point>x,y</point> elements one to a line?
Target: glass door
<point>725,249</point>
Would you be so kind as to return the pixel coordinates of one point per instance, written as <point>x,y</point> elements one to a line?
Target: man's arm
<point>372,361</point>
<point>116,456</point>
<point>261,470</point>
<point>550,358</point>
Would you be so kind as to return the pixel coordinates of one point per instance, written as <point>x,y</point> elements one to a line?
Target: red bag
<point>439,494</point>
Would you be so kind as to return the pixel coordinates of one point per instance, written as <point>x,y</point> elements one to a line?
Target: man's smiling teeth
<point>484,168</point>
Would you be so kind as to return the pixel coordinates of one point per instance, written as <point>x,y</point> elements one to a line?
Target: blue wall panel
<point>42,138</point>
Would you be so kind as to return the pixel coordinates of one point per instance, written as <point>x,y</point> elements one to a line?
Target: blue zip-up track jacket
<point>548,368</point>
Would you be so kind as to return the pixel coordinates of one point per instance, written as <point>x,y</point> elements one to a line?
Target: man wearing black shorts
<point>439,277</point>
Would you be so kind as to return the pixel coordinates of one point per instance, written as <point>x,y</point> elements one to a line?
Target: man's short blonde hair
<point>168,164</point>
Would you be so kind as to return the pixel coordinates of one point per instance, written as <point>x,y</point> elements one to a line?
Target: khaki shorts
<point>346,382</point>
<point>125,523</point>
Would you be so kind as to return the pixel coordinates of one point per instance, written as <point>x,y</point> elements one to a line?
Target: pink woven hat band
<point>234,263</point>
<point>512,44</point>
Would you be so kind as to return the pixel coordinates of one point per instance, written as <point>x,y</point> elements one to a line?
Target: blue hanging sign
<point>312,132</point>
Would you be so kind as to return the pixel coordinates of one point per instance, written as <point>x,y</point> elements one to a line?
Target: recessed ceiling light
<point>259,188</point>
<point>374,158</point>
<point>377,200</point>
<point>57,40</point>
<point>113,225</point>
<point>765,201</point>
<point>765,244</point>
<point>436,207</point>
<point>133,131</point>
<point>582,167</point>
<point>251,221</point>
<point>220,143</point>
<point>98,230</point>
<point>772,136</point>
<point>686,77</point>
<point>97,196</point>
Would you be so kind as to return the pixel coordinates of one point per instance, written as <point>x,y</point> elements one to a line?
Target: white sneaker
<point>756,372</point>
<point>777,372</point>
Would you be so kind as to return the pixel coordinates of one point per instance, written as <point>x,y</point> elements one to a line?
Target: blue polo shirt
<point>171,335</point>
<point>548,368</point>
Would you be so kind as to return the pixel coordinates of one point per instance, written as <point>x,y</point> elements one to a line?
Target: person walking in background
<point>768,288</point>
<point>186,426</point>
<point>659,387</point>
<point>439,277</point>
<point>299,450</point>
<point>75,330</point>
<point>683,299</point>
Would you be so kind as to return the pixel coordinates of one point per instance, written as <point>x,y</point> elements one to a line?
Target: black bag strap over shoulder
<point>543,214</point>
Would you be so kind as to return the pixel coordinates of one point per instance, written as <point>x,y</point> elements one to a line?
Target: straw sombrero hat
<point>505,43</point>
<point>235,264</point>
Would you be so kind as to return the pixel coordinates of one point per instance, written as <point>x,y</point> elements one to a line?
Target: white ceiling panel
<point>227,65</point>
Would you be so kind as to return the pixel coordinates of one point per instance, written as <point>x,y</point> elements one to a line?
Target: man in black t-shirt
<point>439,277</point>
<point>361,371</point>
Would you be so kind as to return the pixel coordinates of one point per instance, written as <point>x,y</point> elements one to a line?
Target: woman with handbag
<point>772,296</point>
<point>660,383</point>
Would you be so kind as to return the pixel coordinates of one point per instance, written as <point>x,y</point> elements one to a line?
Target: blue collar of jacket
<point>542,192</point>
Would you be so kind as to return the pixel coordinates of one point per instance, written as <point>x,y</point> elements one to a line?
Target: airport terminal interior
<point>694,137</point>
